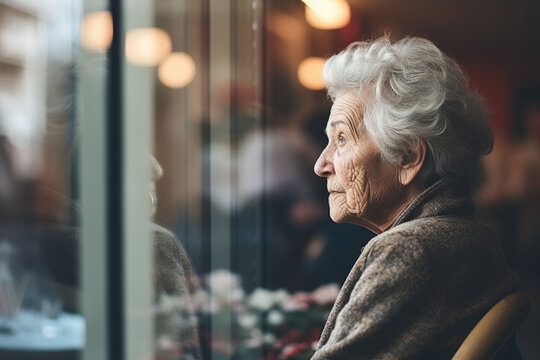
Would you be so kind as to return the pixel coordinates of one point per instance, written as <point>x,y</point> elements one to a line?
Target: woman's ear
<point>412,164</point>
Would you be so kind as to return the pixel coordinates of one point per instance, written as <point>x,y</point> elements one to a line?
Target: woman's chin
<point>337,216</point>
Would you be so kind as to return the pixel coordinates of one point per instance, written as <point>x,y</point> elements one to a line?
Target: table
<point>33,336</point>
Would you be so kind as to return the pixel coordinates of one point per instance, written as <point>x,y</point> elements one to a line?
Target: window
<point>157,196</point>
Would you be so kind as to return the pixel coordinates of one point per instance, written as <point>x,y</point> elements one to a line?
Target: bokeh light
<point>177,70</point>
<point>310,73</point>
<point>97,31</point>
<point>327,14</point>
<point>147,46</point>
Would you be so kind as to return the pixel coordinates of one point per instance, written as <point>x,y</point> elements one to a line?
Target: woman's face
<point>363,189</point>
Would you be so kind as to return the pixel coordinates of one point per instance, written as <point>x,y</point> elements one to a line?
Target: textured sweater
<point>418,288</point>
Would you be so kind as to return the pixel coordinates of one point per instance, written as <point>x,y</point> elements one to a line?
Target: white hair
<point>418,94</point>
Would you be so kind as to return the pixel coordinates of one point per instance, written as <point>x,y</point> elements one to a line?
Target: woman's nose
<point>323,167</point>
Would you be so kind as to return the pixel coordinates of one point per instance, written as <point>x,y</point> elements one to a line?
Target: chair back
<point>494,329</point>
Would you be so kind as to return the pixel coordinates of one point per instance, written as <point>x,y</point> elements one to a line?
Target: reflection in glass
<point>39,278</point>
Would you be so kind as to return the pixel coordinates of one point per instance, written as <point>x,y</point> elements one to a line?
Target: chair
<point>495,328</point>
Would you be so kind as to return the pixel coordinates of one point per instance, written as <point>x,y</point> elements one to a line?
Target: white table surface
<point>33,332</point>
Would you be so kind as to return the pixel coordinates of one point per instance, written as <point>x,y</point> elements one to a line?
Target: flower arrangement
<point>263,324</point>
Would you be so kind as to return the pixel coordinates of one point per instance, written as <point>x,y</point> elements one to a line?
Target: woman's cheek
<point>358,191</point>
<point>357,187</point>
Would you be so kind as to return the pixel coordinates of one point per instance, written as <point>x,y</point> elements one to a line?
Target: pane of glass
<point>230,253</point>
<point>237,143</point>
<point>236,133</point>
<point>181,132</point>
<point>199,124</point>
<point>39,248</point>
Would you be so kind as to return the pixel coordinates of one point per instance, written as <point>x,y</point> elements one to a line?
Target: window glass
<point>40,309</point>
<point>157,193</point>
<point>237,143</point>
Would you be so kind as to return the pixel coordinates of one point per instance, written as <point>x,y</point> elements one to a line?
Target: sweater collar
<point>445,197</point>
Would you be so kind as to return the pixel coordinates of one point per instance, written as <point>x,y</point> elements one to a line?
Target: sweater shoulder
<point>443,239</point>
<point>439,229</point>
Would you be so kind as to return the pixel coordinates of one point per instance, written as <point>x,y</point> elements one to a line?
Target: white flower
<point>269,338</point>
<point>211,307</point>
<point>222,282</point>
<point>164,342</point>
<point>255,340</point>
<point>200,299</point>
<point>261,299</point>
<point>281,297</point>
<point>236,295</point>
<point>275,317</point>
<point>166,303</point>
<point>247,321</point>
<point>195,301</point>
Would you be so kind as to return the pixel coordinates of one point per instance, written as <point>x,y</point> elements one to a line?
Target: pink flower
<point>298,302</point>
<point>326,294</point>
<point>293,350</point>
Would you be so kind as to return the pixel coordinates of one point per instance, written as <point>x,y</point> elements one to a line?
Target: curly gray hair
<point>418,94</point>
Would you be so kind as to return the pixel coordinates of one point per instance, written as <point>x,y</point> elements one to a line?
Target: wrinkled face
<point>362,187</point>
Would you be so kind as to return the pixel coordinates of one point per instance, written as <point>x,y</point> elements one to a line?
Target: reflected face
<point>360,184</point>
<point>157,173</point>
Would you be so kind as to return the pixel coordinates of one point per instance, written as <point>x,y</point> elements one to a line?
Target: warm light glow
<point>177,70</point>
<point>97,31</point>
<point>310,73</point>
<point>286,26</point>
<point>327,14</point>
<point>147,46</point>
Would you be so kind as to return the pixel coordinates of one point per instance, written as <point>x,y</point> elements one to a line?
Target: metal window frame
<point>116,249</point>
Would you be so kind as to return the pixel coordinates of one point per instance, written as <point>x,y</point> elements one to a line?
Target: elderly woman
<point>405,135</point>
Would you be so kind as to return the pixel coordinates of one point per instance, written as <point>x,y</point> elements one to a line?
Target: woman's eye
<point>342,139</point>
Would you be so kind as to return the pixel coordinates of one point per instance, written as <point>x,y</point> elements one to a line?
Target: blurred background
<point>208,117</point>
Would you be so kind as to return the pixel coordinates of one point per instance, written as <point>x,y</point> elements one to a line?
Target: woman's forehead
<point>347,108</point>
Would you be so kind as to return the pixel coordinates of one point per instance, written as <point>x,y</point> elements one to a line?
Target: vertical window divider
<point>115,178</point>
<point>138,85</point>
<point>91,113</point>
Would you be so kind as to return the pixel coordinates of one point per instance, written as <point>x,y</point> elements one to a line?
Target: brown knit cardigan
<point>418,288</point>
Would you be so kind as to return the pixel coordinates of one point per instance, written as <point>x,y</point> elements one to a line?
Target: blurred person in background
<point>303,248</point>
<point>405,137</point>
<point>525,188</point>
<point>510,197</point>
